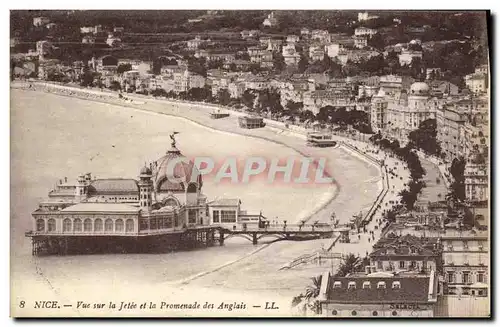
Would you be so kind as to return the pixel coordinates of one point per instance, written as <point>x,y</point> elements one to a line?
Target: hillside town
<point>400,86</point>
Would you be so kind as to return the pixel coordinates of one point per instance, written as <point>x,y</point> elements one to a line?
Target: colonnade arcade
<point>87,225</point>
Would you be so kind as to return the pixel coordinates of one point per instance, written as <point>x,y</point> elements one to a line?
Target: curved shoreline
<point>108,97</point>
<point>179,114</point>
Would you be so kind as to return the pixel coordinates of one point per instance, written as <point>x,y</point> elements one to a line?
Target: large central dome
<point>419,88</point>
<point>171,174</point>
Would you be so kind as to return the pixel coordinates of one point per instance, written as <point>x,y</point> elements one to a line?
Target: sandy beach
<point>357,184</point>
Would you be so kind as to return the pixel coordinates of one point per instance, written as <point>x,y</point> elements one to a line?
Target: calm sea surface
<point>53,137</point>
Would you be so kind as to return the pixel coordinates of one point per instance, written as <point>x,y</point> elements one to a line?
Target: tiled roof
<point>113,186</point>
<point>402,245</point>
<point>412,289</point>
<point>224,202</point>
<point>62,192</point>
<point>100,207</point>
<point>402,250</point>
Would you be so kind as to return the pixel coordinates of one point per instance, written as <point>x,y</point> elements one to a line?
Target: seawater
<point>53,137</point>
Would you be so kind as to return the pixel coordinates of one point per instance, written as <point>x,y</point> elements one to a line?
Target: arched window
<point>67,225</point>
<point>192,188</point>
<point>40,225</point>
<point>51,225</point>
<point>129,225</point>
<point>334,312</point>
<point>87,225</point>
<point>354,312</point>
<point>119,225</point>
<point>153,223</point>
<point>394,313</point>
<point>171,202</point>
<point>77,225</point>
<point>375,313</point>
<point>108,225</point>
<point>98,227</point>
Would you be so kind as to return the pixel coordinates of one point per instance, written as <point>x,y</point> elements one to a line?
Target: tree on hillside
<point>294,108</point>
<point>373,65</point>
<point>425,137</point>
<point>269,100</point>
<point>457,170</point>
<point>303,63</point>
<point>216,64</point>
<point>409,196</point>
<point>87,77</point>
<point>242,56</point>
<point>351,68</point>
<point>255,68</point>
<point>223,97</point>
<point>159,93</point>
<point>123,68</point>
<point>376,41</point>
<point>333,68</point>
<point>417,68</point>
<point>306,115</point>
<point>248,98</point>
<point>278,62</point>
<point>324,114</point>
<point>115,86</point>
<point>197,66</point>
<point>199,94</point>
<point>315,67</point>
<point>392,62</point>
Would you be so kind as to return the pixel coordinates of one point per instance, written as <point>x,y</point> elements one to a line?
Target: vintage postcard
<point>250,163</point>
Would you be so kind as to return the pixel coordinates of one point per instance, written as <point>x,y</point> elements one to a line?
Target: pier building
<point>164,209</point>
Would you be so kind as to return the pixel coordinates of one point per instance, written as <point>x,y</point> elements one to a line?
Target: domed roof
<point>145,170</point>
<point>171,176</point>
<point>419,88</point>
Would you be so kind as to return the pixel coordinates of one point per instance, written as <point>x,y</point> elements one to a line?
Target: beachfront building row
<point>459,258</point>
<point>466,263</point>
<point>412,276</point>
<point>461,121</point>
<point>399,114</point>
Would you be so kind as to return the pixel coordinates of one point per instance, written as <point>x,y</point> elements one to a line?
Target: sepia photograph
<point>328,164</point>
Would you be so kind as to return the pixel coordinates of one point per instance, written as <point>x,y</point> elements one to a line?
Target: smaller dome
<point>419,88</point>
<point>146,171</point>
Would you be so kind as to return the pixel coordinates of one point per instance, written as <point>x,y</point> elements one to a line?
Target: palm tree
<point>297,299</point>
<point>349,265</point>
<point>312,291</point>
